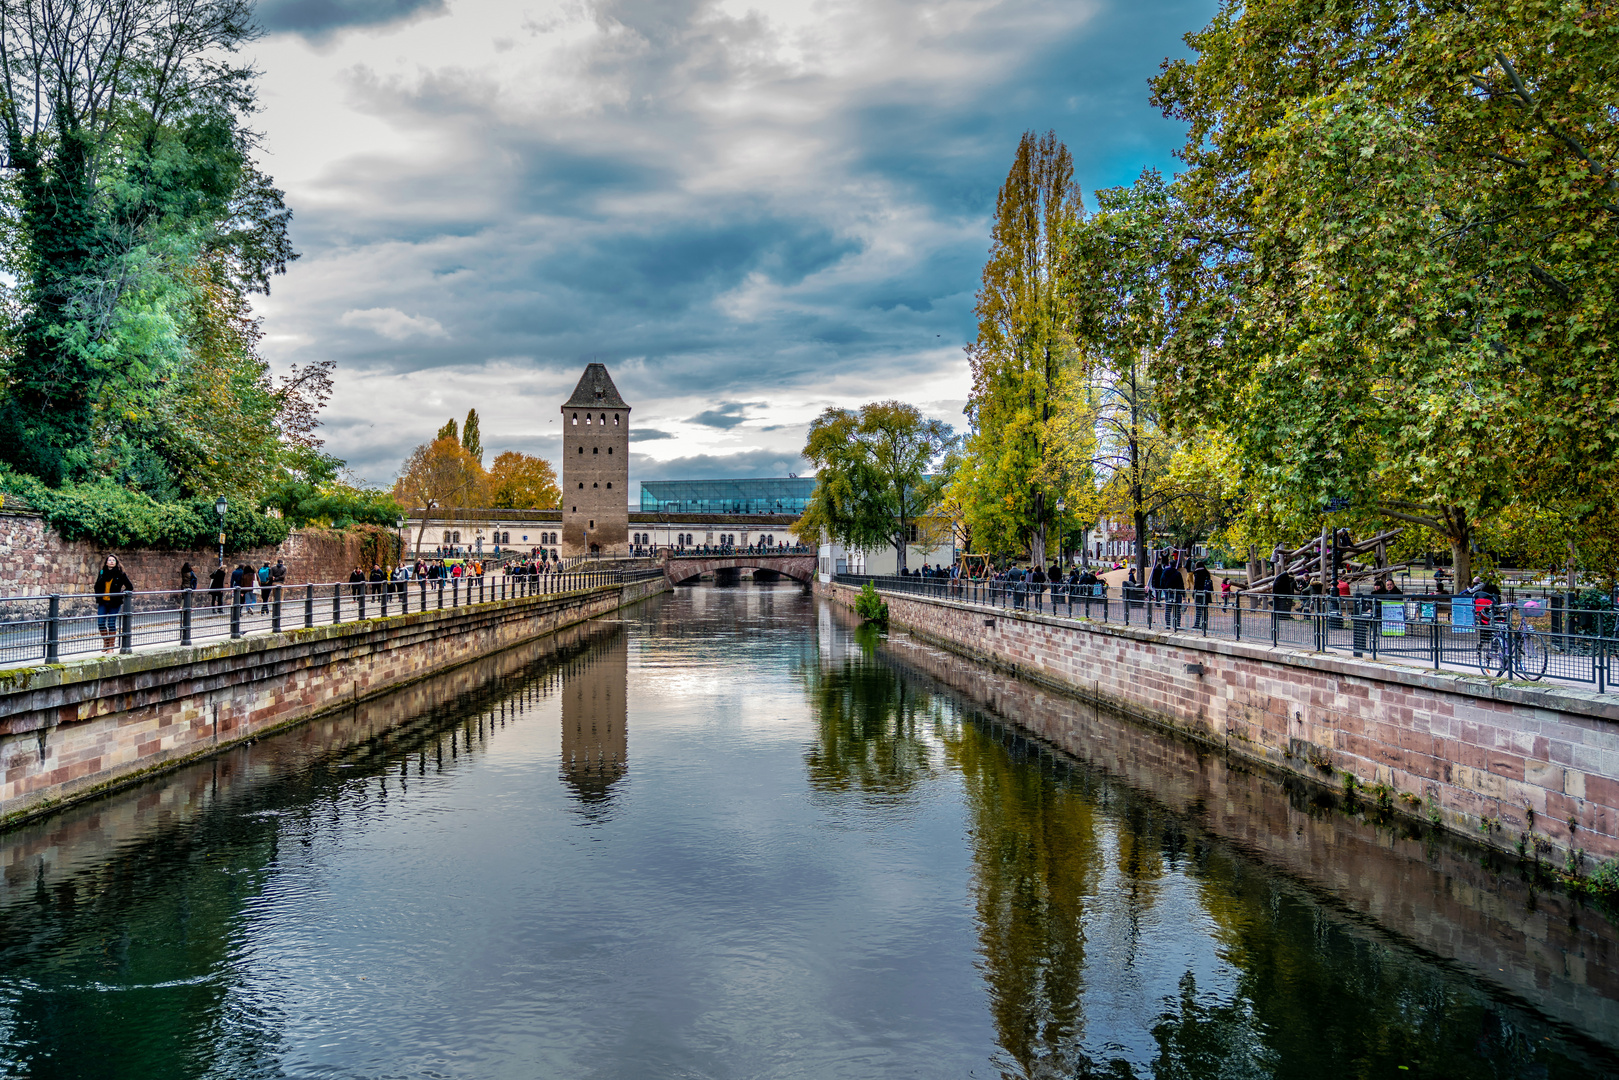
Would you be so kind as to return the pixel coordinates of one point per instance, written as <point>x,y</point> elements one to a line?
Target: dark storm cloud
<point>726,415</point>
<point>319,19</point>
<point>649,434</point>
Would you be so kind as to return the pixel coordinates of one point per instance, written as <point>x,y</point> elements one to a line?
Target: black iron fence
<point>1527,639</point>
<point>49,629</point>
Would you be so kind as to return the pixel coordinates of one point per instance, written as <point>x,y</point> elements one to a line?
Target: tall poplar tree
<point>471,438</point>
<point>1021,351</point>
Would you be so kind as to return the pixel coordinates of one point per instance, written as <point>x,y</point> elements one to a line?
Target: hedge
<point>112,516</point>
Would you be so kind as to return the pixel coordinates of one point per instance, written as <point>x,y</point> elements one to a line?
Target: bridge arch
<point>678,568</point>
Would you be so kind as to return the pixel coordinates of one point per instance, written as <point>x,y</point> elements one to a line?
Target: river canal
<point>725,835</point>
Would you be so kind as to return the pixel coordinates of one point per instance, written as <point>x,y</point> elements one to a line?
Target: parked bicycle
<point>1509,646</point>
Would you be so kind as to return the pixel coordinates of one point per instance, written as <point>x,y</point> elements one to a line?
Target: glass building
<point>762,495</point>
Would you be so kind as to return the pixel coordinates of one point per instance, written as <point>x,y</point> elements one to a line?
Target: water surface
<point>724,835</point>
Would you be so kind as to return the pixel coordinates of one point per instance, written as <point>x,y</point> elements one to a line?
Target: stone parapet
<point>70,730</point>
<point>1502,762</point>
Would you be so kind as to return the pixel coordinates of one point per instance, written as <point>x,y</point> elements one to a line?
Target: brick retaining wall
<point>35,561</point>
<point>1495,761</point>
<point>70,730</point>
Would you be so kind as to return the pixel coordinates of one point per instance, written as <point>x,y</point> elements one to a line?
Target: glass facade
<point>762,495</point>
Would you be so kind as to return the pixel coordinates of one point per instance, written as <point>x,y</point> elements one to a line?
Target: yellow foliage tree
<point>521,482</point>
<point>442,476</point>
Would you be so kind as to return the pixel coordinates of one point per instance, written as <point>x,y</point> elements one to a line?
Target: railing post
<point>337,603</point>
<point>423,582</point>
<point>185,617</point>
<point>309,606</point>
<point>1433,634</point>
<point>455,592</point>
<point>361,591</point>
<point>126,624</point>
<point>1236,619</point>
<point>275,612</point>
<point>53,630</point>
<point>1275,624</point>
<point>1601,652</point>
<point>387,586</point>
<point>235,611</point>
<point>441,594</point>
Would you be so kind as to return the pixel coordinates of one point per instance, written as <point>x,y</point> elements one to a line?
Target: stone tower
<point>595,468</point>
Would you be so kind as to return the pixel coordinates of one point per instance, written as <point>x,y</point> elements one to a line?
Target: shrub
<point>870,607</point>
<point>113,516</point>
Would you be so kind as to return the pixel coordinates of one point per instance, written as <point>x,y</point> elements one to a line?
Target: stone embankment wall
<point>1503,763</point>
<point>1542,945</point>
<point>69,730</point>
<point>35,561</point>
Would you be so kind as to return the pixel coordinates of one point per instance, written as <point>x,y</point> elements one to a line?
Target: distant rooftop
<point>596,390</point>
<point>753,495</point>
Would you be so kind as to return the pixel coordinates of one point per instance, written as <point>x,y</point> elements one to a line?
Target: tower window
<point>581,485</point>
<point>587,419</point>
<point>604,418</point>
<point>593,449</point>
<point>581,449</point>
<point>575,419</point>
<point>593,523</point>
<point>609,484</point>
<point>615,419</point>
<point>592,485</point>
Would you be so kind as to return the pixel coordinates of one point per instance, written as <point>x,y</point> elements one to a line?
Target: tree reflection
<point>873,730</point>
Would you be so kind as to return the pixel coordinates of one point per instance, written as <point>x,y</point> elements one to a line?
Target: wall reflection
<point>595,734</point>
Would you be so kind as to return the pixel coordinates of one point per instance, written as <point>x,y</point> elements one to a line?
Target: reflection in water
<point>836,860</point>
<point>595,735</point>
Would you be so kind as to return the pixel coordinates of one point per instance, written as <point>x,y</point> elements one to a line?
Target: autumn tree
<point>1022,350</point>
<point>448,431</point>
<point>440,476</point>
<point>521,482</point>
<point>875,475</point>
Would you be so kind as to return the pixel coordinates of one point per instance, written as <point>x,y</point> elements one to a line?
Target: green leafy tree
<point>121,123</point>
<point>471,440</point>
<point>1404,220</point>
<point>1021,353</point>
<point>875,475</point>
<point>448,431</point>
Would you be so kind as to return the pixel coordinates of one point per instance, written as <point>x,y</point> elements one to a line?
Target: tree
<point>1118,300</point>
<point>440,475</point>
<point>874,476</point>
<point>520,482</point>
<point>448,431</point>
<point>471,440</point>
<point>1405,224</point>
<point>1021,352</point>
<point>122,125</point>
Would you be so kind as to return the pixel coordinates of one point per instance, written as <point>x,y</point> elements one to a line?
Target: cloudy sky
<point>748,210</point>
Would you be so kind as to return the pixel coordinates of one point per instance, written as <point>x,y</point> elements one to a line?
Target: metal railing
<point>1439,631</point>
<point>61,626</point>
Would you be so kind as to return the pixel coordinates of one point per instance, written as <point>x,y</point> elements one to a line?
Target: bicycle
<point>1510,646</point>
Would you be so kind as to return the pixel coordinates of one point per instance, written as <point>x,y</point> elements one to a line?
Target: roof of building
<point>595,390</point>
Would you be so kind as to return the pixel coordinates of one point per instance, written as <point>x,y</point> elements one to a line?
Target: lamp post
<point>220,506</point>
<point>1062,505</point>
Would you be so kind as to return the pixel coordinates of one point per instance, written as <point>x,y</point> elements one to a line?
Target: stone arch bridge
<point>799,566</point>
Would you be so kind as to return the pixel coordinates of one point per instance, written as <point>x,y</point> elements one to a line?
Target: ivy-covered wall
<point>36,560</point>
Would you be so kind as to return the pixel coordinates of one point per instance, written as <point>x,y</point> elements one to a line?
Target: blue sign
<point>1461,614</point>
<point>1394,618</point>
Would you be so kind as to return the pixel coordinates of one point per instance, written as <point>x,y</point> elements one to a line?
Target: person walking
<point>357,582</point>
<point>266,578</point>
<point>188,578</point>
<point>1174,586</point>
<point>216,587</point>
<point>1037,585</point>
<point>377,578</point>
<point>278,576</point>
<point>1202,595</point>
<point>111,585</point>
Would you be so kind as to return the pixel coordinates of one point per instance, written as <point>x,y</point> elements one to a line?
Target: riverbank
<point>1525,768</point>
<point>70,731</point>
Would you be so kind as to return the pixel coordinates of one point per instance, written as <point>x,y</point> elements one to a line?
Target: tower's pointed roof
<point>596,390</point>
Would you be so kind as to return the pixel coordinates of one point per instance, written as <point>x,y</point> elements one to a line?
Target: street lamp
<point>220,506</point>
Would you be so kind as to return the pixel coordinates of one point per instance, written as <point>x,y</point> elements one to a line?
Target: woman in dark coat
<point>111,584</point>
<point>188,577</point>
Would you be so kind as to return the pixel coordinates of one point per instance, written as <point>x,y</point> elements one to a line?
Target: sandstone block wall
<point>1542,945</point>
<point>1499,762</point>
<point>69,730</point>
<point>34,560</point>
